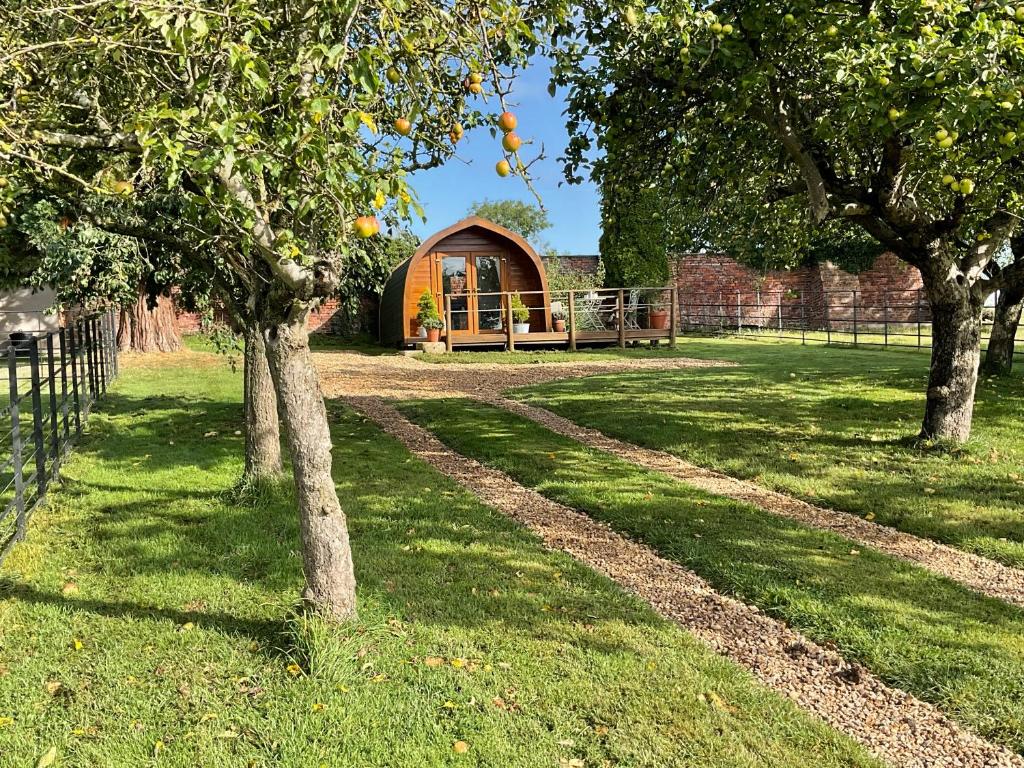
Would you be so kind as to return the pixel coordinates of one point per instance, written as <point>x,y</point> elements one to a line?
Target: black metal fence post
<point>885,318</point>
<point>803,318</point>
<point>828,318</point>
<point>90,366</point>
<point>16,463</point>
<point>51,379</point>
<point>66,436</point>
<point>37,415</point>
<point>101,353</point>
<point>76,377</point>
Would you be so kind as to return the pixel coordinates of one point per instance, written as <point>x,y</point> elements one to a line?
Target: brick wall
<point>320,321</point>
<point>716,289</point>
<point>584,264</point>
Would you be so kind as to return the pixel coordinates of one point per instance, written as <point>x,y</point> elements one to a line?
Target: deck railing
<point>584,315</point>
<point>53,379</point>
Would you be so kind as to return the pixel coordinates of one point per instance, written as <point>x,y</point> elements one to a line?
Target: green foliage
<point>84,264</point>
<point>524,219</point>
<point>851,251</point>
<point>371,264</point>
<point>633,238</point>
<point>428,316</point>
<point>273,126</point>
<point>520,312</point>
<point>754,153</point>
<point>562,279</point>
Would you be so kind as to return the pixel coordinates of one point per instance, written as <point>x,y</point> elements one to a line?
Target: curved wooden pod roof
<point>393,300</point>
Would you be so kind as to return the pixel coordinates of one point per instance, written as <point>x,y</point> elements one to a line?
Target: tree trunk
<point>142,329</point>
<point>999,356</point>
<point>956,352</point>
<point>327,557</point>
<point>262,430</point>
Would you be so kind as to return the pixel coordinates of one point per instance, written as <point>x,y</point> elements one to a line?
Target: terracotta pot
<point>433,335</point>
<point>559,326</point>
<point>657,320</point>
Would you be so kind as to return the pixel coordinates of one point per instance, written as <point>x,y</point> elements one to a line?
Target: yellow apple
<point>503,168</point>
<point>367,226</point>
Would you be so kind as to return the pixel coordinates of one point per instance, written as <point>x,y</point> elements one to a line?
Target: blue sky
<point>447,192</point>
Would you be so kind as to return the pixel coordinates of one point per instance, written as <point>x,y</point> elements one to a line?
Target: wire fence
<point>873,318</point>
<point>53,380</point>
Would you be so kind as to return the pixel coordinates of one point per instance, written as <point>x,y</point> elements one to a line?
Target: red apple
<point>507,122</point>
<point>511,142</point>
<point>403,126</point>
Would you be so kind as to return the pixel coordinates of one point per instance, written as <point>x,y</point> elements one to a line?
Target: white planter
<point>423,332</point>
<point>520,327</point>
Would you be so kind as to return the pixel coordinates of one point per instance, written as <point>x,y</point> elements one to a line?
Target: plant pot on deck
<point>558,325</point>
<point>433,335</point>
<point>657,320</point>
<point>520,328</point>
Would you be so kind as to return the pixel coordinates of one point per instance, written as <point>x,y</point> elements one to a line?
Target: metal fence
<point>873,318</point>
<point>53,380</point>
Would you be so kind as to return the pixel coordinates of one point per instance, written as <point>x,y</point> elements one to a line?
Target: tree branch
<point>817,190</point>
<point>298,278</point>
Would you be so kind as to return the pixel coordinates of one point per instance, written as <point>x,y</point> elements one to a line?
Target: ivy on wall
<point>633,241</point>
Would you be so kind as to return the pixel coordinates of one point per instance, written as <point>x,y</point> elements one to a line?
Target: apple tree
<point>901,118</point>
<point>1006,319</point>
<point>287,128</point>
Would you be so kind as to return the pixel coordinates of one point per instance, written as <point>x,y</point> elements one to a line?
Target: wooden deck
<point>551,338</point>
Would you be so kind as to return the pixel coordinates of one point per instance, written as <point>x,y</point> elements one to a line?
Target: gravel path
<point>403,378</point>
<point>894,725</point>
<point>978,573</point>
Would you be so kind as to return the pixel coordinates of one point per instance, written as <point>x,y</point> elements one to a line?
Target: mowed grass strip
<point>148,620</point>
<point>919,632</point>
<point>834,426</point>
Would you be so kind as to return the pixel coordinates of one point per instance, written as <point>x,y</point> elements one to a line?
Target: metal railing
<point>53,380</point>
<point>869,318</point>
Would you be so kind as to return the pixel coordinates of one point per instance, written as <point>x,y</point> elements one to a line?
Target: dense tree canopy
<point>898,117</point>
<point>284,128</point>
<point>526,219</point>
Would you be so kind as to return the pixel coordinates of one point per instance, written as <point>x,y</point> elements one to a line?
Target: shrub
<point>428,311</point>
<point>520,312</point>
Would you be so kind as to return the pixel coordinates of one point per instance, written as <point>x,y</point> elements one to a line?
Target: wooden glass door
<point>463,277</point>
<point>454,282</point>
<point>487,274</point>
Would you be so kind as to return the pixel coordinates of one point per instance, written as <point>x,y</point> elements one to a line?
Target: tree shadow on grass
<point>424,549</point>
<point>823,433</point>
<point>919,631</point>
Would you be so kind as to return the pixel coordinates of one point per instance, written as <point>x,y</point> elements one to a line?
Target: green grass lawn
<point>148,620</point>
<point>834,426</point>
<point>920,632</point>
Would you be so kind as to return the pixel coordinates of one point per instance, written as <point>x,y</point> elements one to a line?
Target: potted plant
<point>558,316</point>
<point>657,313</point>
<point>428,318</point>
<point>520,315</point>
